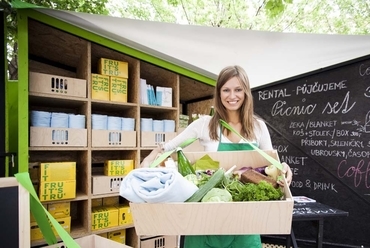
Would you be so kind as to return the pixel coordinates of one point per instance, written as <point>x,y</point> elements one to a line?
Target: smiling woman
<point>233,107</point>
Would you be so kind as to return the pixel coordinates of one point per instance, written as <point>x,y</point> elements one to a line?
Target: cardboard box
<point>118,89</point>
<point>56,137</point>
<point>59,209</point>
<point>152,139</point>
<point>92,241</point>
<point>124,215</point>
<point>57,190</point>
<point>99,87</point>
<point>110,201</point>
<point>97,202</point>
<point>57,85</point>
<point>105,184</point>
<point>57,171</point>
<point>159,242</point>
<point>118,167</point>
<point>263,217</point>
<point>104,217</point>
<point>113,138</point>
<point>36,233</point>
<point>112,67</point>
<point>118,236</point>
<point>104,235</point>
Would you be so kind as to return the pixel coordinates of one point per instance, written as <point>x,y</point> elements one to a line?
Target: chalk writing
<point>367,92</point>
<point>359,172</point>
<point>293,160</point>
<point>281,109</point>
<point>268,94</point>
<point>335,108</point>
<point>364,71</point>
<point>321,125</point>
<point>317,88</point>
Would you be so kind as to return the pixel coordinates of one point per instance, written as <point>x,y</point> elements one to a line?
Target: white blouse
<point>199,129</point>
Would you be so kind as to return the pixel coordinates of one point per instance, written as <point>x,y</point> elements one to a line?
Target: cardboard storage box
<point>112,67</point>
<point>57,190</point>
<point>93,241</point>
<point>36,233</point>
<point>105,184</point>
<point>57,85</point>
<point>154,138</point>
<point>255,217</point>
<point>59,209</point>
<point>118,236</point>
<point>104,217</point>
<point>118,89</point>
<point>99,87</point>
<point>118,167</point>
<point>159,242</point>
<point>124,215</point>
<point>113,138</point>
<point>57,171</point>
<point>50,136</point>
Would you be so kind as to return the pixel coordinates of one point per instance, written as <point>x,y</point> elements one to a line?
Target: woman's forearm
<point>151,157</point>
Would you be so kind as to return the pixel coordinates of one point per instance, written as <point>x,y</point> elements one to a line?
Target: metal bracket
<point>9,154</point>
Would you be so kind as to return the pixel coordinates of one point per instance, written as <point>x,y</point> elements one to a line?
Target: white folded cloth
<point>155,185</point>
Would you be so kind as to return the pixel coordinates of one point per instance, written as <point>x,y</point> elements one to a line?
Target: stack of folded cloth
<point>154,185</point>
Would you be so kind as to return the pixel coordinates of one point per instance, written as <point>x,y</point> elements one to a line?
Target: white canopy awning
<point>266,56</point>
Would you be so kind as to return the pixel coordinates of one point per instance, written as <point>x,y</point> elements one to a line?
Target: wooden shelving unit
<point>53,51</point>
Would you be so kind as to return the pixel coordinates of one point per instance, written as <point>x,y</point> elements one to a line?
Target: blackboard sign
<point>320,125</point>
<point>9,235</point>
<point>14,214</point>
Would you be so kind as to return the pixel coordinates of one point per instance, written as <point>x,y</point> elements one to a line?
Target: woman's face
<point>232,94</point>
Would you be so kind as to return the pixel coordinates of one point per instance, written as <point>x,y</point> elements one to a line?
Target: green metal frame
<point>22,96</point>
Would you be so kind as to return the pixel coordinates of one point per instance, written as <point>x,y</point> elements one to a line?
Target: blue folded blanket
<point>154,185</point>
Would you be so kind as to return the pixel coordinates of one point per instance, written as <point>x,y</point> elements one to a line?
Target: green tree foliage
<point>87,6</point>
<point>302,16</point>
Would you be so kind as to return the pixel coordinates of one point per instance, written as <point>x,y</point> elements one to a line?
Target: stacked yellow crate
<point>110,83</point>
<point>57,181</point>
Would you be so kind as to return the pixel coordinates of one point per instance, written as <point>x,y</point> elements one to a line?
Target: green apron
<point>225,241</point>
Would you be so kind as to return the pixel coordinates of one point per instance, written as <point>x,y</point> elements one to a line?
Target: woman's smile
<point>232,94</point>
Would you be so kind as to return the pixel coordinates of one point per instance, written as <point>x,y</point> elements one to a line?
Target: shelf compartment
<point>82,169</point>
<point>99,51</point>
<point>57,85</point>
<point>113,138</point>
<point>51,137</point>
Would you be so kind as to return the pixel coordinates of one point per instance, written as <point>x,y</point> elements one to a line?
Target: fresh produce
<point>212,182</point>
<point>255,175</point>
<point>183,163</point>
<point>192,178</point>
<point>272,171</point>
<point>262,191</point>
<point>217,195</point>
<point>258,169</point>
<point>252,176</point>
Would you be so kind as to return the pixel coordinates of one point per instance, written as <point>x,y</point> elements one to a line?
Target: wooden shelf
<point>69,148</point>
<point>76,232</point>
<point>78,58</point>
<point>104,195</point>
<point>111,229</point>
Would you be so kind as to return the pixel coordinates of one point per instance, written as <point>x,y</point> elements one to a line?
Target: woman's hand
<point>151,157</point>
<point>287,173</point>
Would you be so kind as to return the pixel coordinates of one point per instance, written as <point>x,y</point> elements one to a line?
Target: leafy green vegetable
<point>239,191</point>
<point>217,195</point>
<point>263,191</point>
